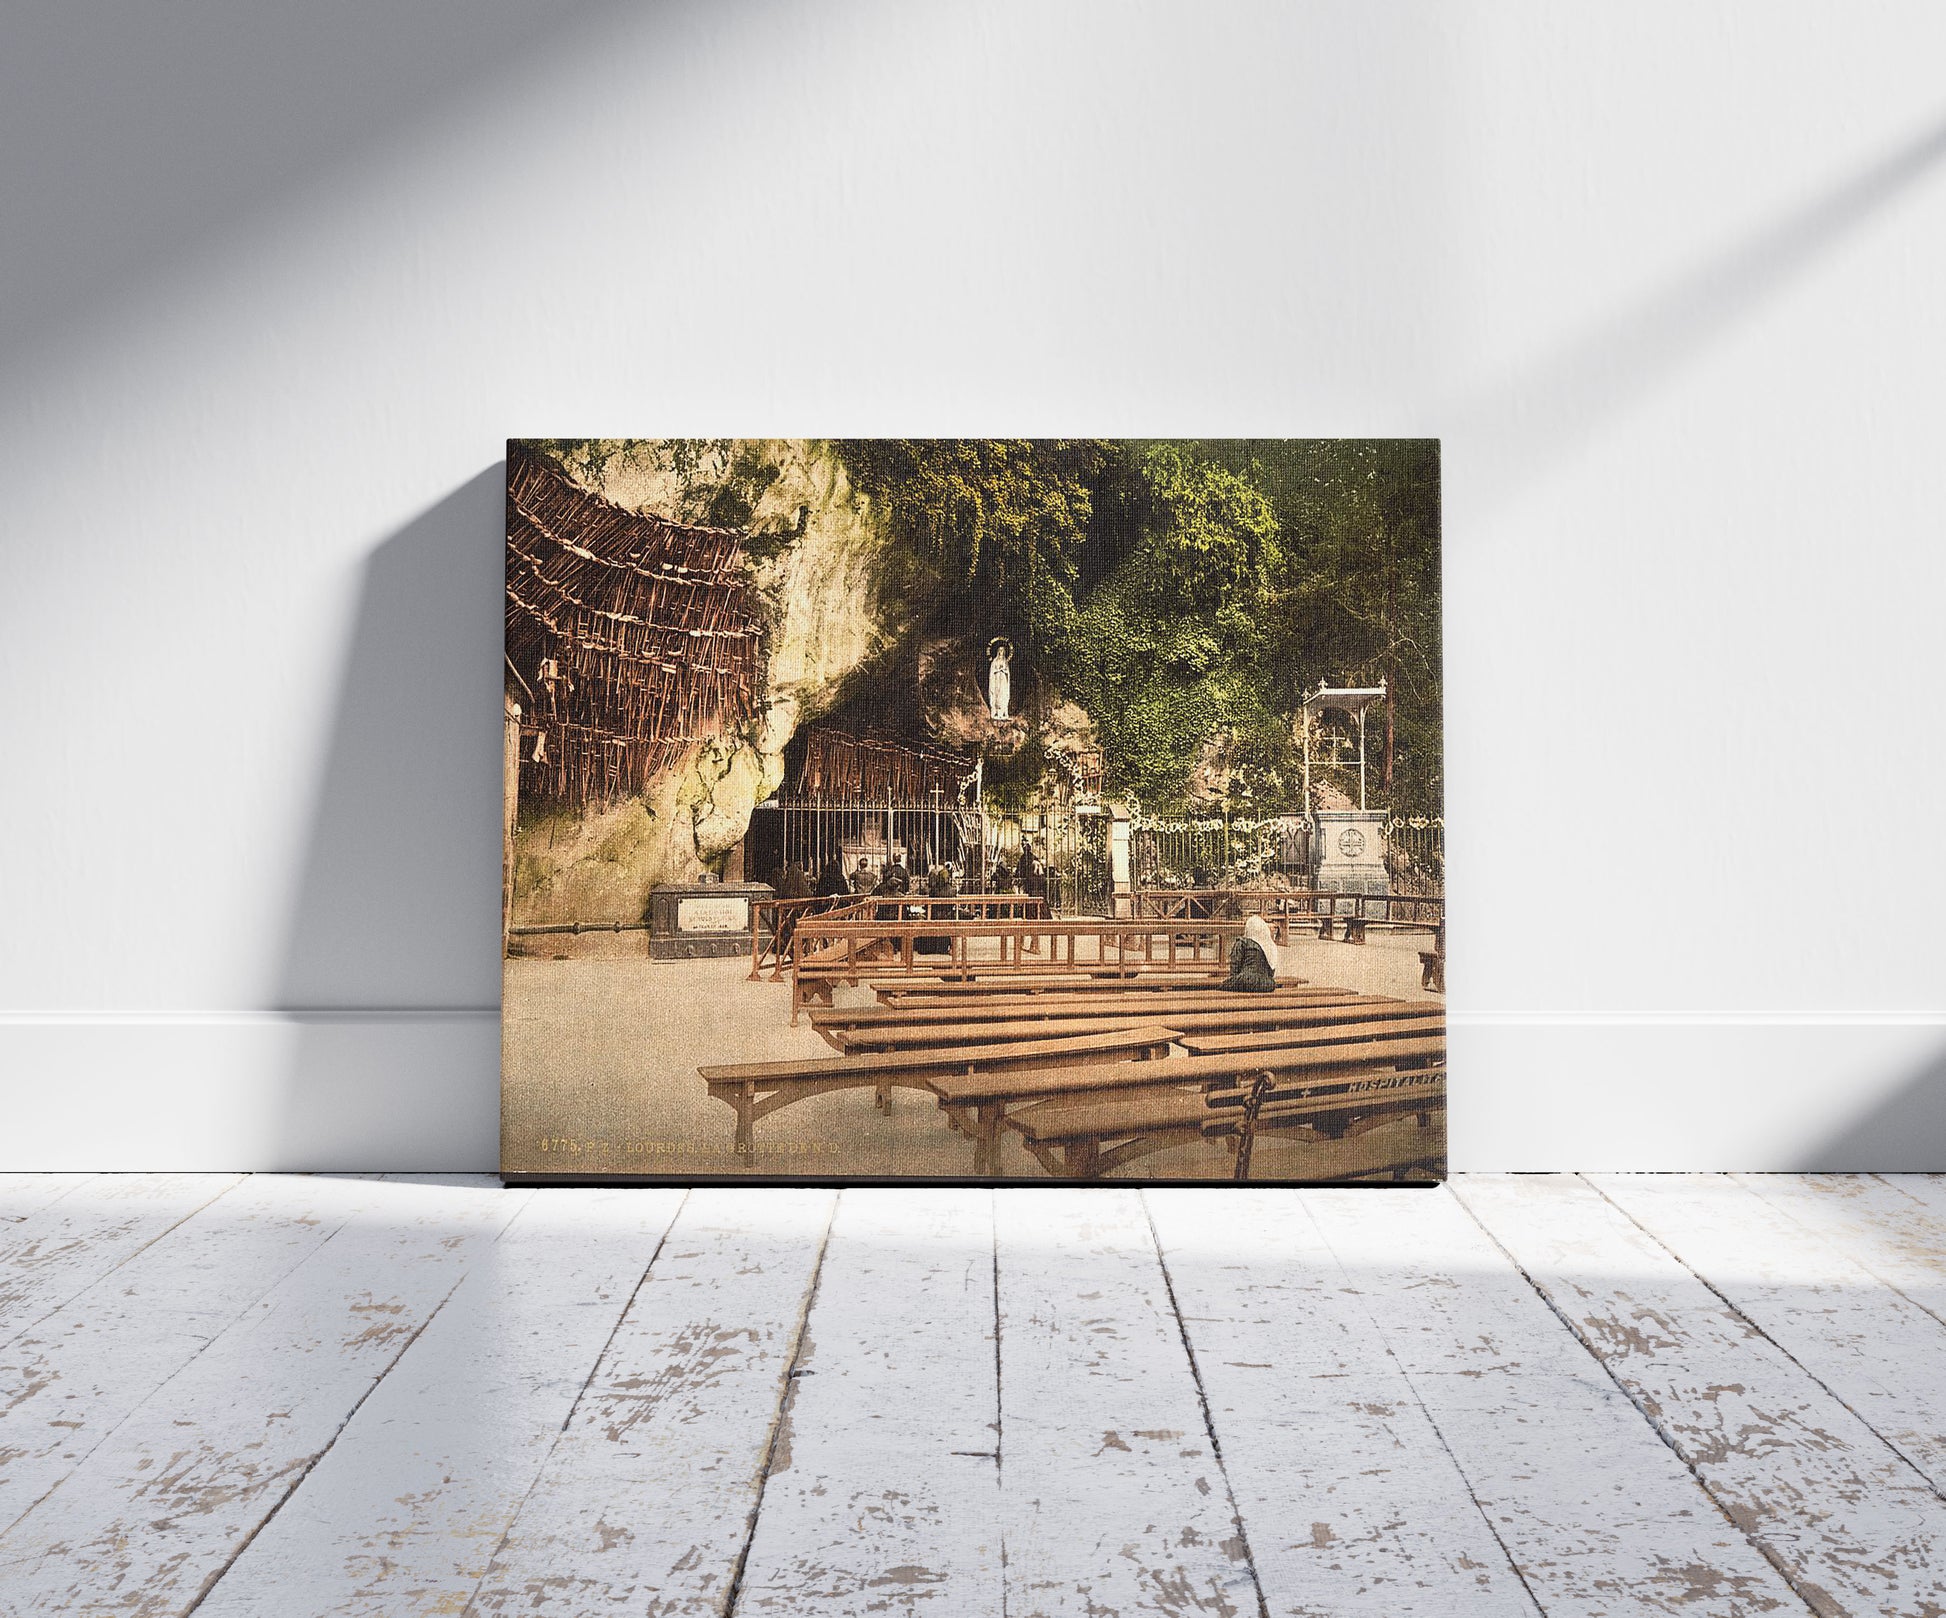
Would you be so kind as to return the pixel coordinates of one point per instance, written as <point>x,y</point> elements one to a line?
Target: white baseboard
<point>1758,1092</point>
<point>251,1090</point>
<point>419,1090</point>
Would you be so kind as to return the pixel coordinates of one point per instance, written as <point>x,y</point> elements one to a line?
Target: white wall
<point>1664,276</point>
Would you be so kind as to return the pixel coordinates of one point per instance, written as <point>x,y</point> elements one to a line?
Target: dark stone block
<point>692,919</point>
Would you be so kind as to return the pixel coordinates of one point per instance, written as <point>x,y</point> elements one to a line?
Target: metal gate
<point>1080,881</point>
<point>809,834</point>
<point>1415,855</point>
<point>1208,853</point>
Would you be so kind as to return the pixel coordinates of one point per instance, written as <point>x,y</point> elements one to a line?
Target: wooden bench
<point>754,1090</point>
<point>943,1036</point>
<point>898,1035</point>
<point>1432,970</point>
<point>997,976</point>
<point>1292,1101</point>
<point>1096,980</point>
<point>773,922</point>
<point>836,1026</point>
<point>1369,1100</point>
<point>833,952</point>
<point>1196,996</point>
<point>1086,1138</point>
<point>1198,1044</point>
<point>1376,1153</point>
<point>1188,1001</point>
<point>1285,909</point>
<point>1082,1003</point>
<point>1019,1096</point>
<point>1288,909</point>
<point>1364,1141</point>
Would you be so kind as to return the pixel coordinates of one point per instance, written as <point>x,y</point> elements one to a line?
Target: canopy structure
<point>631,639</point>
<point>837,767</point>
<point>1339,699</point>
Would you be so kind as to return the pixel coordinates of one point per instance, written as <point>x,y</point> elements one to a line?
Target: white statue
<point>1000,679</point>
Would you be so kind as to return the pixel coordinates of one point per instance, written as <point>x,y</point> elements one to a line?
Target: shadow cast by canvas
<point>390,968</point>
<point>396,902</point>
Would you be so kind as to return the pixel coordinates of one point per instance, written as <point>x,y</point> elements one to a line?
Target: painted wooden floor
<point>1538,1395</point>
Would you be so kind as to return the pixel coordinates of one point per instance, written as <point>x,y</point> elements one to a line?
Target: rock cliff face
<point>833,609</point>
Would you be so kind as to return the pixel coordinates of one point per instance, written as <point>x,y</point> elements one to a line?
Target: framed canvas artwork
<point>973,810</point>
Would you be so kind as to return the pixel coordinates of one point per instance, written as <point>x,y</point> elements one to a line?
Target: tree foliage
<point>997,526</point>
<point>1189,593</point>
<point>1211,540</point>
<point>1166,650</point>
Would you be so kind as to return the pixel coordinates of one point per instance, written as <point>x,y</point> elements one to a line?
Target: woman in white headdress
<point>1253,959</point>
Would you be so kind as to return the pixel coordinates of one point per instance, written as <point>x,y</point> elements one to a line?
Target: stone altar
<point>1351,851</point>
<point>691,919</point>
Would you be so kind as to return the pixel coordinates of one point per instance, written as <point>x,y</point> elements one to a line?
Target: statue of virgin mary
<point>1000,678</point>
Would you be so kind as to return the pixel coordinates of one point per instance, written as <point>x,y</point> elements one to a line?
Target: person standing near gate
<point>1032,881</point>
<point>939,885</point>
<point>894,882</point>
<point>794,884</point>
<point>832,883</point>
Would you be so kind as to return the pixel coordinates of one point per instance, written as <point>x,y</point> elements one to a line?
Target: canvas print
<point>973,809</point>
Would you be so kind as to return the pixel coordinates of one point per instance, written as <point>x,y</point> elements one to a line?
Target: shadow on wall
<point>156,115</point>
<point>1905,1133</point>
<point>1549,410</point>
<point>391,969</point>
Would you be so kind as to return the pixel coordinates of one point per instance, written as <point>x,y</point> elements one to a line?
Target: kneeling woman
<point>1253,959</point>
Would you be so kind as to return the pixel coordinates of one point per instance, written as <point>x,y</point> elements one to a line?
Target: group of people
<point>794,882</point>
<point>894,880</point>
<point>1253,957</point>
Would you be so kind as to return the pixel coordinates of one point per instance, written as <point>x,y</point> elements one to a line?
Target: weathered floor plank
<point>325,1396</point>
<point>72,1378</point>
<point>1871,1347</point>
<point>162,1505</point>
<point>1926,1189</point>
<point>403,1513</point>
<point>1848,1519</point>
<point>63,1247</point>
<point>1113,1498</point>
<point>1350,1503</point>
<point>1893,1224</point>
<point>646,1503</point>
<point>1597,1513</point>
<point>883,1494</point>
<point>23,1194</point>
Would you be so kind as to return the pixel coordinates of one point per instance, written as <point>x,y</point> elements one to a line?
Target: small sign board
<point>726,914</point>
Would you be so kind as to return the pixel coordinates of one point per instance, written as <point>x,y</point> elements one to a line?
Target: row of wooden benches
<point>1286,906</point>
<point>1083,1072</point>
<point>831,952</point>
<point>774,922</point>
<point>845,950</point>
